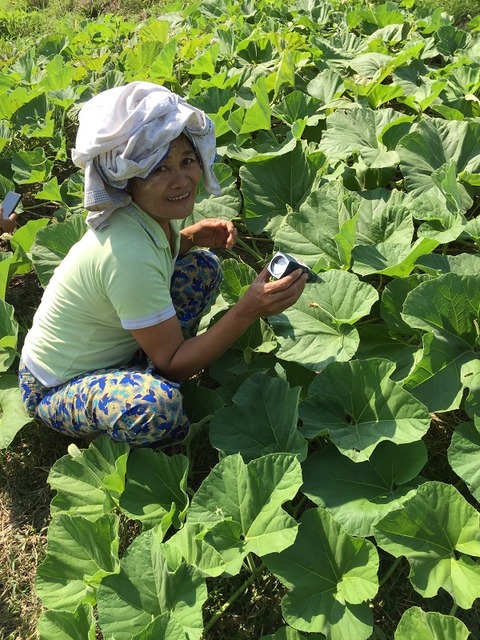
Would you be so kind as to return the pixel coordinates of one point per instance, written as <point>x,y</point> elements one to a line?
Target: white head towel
<point>126,132</point>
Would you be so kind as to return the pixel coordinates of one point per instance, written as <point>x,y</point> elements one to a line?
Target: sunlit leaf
<point>433,143</point>
<point>263,419</point>
<point>8,335</point>
<point>318,328</point>
<point>437,531</point>
<point>448,309</point>
<point>90,483</point>
<point>147,587</point>
<point>271,186</point>
<point>53,243</point>
<point>359,494</point>
<point>80,553</point>
<point>463,455</point>
<point>250,498</point>
<point>57,624</point>
<point>13,414</point>
<point>155,483</point>
<point>430,625</point>
<point>330,577</point>
<point>359,405</point>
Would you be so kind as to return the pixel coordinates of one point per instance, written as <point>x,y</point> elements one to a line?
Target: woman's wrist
<point>186,240</point>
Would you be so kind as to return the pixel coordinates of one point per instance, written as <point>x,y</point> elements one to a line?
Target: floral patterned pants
<point>131,403</point>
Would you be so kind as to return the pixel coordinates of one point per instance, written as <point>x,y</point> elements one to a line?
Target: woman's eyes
<point>186,161</point>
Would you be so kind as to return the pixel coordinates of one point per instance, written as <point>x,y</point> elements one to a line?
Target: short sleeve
<point>137,284</point>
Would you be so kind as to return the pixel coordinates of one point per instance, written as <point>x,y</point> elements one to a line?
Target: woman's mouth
<point>179,198</point>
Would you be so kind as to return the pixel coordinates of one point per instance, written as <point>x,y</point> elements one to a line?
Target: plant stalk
<point>241,589</point>
<point>258,257</point>
<point>389,572</point>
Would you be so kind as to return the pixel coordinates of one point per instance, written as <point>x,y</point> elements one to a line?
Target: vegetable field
<point>332,465</point>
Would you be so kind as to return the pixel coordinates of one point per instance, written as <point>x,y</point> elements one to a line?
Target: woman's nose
<point>179,177</point>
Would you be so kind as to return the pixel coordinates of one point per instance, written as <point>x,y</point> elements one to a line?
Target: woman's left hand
<point>211,232</point>
<point>7,225</point>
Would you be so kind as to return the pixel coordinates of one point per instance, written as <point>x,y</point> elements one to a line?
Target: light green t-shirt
<point>112,280</point>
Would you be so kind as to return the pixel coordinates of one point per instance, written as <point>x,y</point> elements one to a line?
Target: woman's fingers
<point>7,225</point>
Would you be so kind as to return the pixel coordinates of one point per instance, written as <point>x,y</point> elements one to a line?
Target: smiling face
<point>169,192</point>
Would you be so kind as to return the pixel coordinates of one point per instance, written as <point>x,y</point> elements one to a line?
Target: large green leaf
<point>163,626</point>
<point>382,216</point>
<point>10,265</point>
<point>146,587</point>
<point>190,543</point>
<point>433,143</point>
<point>327,87</point>
<point>67,625</point>
<point>31,166</point>
<point>377,341</point>
<point>393,298</point>
<point>359,131</point>
<point>80,552</point>
<point>8,335</point>
<point>263,148</point>
<point>318,329</point>
<point>226,206</point>
<point>13,415</point>
<point>391,258</point>
<point>463,264</point>
<point>330,577</point>
<point>312,233</point>
<point>430,625</point>
<point>438,219</point>
<point>156,485</point>
<point>263,419</point>
<point>272,186</point>
<point>249,498</point>
<point>295,106</point>
<point>257,115</point>
<point>237,277</point>
<point>35,119</point>
<point>448,309</point>
<point>359,405</point>
<point>24,236</point>
<point>463,455</point>
<point>437,531</point>
<point>359,494</point>
<point>52,244</point>
<point>89,482</point>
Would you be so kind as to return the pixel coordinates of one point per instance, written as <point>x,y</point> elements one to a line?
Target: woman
<point>135,283</point>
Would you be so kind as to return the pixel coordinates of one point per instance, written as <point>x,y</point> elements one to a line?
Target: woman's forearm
<point>179,359</point>
<point>196,354</point>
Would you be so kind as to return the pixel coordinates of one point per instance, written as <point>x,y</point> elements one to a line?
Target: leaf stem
<point>258,257</point>
<point>389,572</point>
<point>241,589</point>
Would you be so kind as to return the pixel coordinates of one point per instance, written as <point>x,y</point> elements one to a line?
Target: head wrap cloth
<point>126,132</point>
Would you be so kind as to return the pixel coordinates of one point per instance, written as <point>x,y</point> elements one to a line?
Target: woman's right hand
<point>267,298</point>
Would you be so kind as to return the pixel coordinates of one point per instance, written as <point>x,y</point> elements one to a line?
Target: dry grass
<point>24,516</point>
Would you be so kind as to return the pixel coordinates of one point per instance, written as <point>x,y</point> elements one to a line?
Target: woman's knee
<point>152,416</point>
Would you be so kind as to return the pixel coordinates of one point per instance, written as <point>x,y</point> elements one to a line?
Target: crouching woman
<point>136,284</point>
